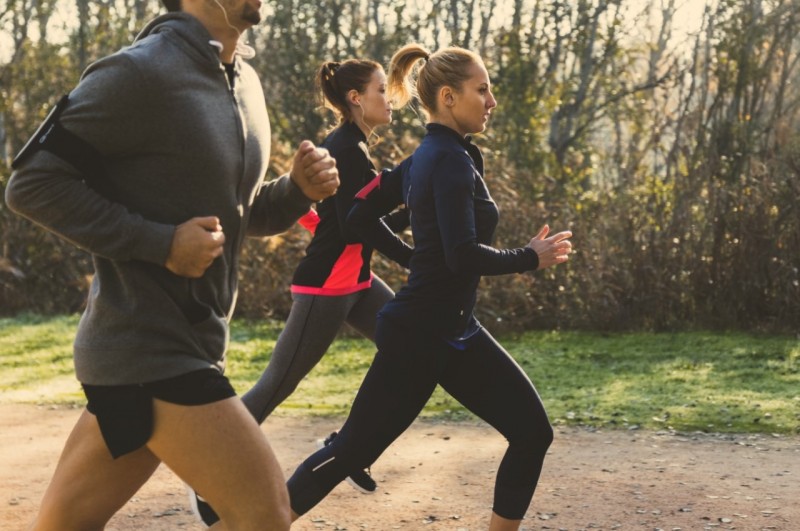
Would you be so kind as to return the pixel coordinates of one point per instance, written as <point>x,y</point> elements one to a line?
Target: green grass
<point>730,382</point>
<point>715,382</point>
<point>36,360</point>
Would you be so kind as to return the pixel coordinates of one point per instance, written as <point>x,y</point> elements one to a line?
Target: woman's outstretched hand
<point>553,250</point>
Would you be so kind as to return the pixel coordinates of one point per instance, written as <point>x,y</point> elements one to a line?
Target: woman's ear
<point>354,98</point>
<point>447,96</point>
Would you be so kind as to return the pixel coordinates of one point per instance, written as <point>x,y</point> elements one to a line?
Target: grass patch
<point>36,360</point>
<point>731,382</point>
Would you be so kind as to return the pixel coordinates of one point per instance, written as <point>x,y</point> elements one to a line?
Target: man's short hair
<point>172,5</point>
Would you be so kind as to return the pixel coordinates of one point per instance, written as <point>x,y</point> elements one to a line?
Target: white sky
<point>688,17</point>
<point>687,20</point>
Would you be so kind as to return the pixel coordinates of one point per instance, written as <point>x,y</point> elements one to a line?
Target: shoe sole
<point>358,487</point>
<point>348,479</point>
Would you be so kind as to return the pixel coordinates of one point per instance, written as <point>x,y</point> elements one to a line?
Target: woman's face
<point>471,106</point>
<point>375,107</point>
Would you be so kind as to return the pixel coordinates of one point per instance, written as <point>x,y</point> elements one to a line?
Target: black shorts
<point>125,412</point>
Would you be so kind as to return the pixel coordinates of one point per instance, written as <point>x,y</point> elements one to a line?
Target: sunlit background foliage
<point>669,146</point>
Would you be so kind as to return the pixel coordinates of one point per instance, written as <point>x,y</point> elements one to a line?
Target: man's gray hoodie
<point>176,143</point>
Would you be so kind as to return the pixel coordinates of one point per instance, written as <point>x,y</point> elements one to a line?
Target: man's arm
<point>50,192</point>
<point>282,201</point>
<point>278,205</point>
<point>53,193</point>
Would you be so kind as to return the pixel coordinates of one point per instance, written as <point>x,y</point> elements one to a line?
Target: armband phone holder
<point>53,137</point>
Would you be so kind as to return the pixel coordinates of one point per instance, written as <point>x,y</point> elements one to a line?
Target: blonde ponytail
<point>447,67</point>
<point>400,85</point>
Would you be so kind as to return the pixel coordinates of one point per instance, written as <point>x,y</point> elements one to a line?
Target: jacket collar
<point>439,129</point>
<point>353,129</point>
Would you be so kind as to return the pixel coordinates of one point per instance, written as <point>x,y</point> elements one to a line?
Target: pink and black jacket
<point>337,262</point>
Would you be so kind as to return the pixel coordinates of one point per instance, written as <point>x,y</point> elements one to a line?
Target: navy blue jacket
<point>453,222</point>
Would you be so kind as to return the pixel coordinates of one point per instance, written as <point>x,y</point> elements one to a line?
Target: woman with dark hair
<point>333,283</point>
<point>428,335</point>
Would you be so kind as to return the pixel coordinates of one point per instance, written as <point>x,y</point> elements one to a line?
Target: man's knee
<point>57,516</point>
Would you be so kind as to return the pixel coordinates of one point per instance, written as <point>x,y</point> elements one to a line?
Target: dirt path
<point>438,476</point>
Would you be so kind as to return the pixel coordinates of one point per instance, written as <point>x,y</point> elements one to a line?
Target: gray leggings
<point>313,323</point>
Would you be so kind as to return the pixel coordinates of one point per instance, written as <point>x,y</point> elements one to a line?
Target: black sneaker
<point>201,508</point>
<point>362,480</point>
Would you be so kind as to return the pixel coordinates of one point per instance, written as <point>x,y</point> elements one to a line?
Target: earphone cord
<point>371,129</point>
<point>227,21</point>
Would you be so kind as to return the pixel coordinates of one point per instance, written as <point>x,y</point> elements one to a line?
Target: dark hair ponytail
<point>335,80</point>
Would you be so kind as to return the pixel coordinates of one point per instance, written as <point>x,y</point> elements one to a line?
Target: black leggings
<point>408,366</point>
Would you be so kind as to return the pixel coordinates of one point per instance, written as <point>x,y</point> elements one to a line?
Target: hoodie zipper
<point>240,234</point>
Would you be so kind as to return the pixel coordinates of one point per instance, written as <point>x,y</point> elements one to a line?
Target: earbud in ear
<point>353,97</point>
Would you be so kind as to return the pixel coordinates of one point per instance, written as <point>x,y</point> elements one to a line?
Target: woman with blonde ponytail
<point>428,334</point>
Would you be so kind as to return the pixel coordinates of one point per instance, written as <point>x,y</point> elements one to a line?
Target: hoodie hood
<point>186,32</point>
<point>191,35</point>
